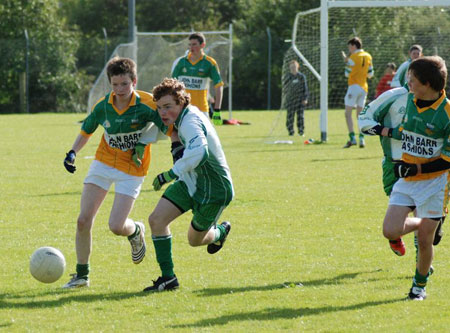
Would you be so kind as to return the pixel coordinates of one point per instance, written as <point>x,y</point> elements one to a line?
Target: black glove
<point>69,161</point>
<point>177,150</point>
<point>402,170</point>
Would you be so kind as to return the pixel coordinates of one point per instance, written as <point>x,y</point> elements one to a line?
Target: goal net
<point>387,30</point>
<point>155,54</point>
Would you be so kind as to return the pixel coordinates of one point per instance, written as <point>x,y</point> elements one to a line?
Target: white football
<point>47,264</point>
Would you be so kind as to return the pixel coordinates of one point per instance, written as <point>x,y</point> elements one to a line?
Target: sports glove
<point>139,151</point>
<point>163,178</point>
<point>69,161</point>
<point>177,150</point>
<point>403,169</point>
<point>217,120</point>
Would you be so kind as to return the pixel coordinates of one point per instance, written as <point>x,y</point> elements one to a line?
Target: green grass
<point>305,252</point>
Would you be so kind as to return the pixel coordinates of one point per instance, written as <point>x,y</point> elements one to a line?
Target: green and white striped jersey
<point>400,79</point>
<point>203,167</point>
<point>387,110</point>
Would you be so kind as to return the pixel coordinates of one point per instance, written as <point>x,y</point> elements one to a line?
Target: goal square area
<point>387,30</point>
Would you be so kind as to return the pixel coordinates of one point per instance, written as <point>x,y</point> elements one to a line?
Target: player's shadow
<point>346,159</point>
<point>313,283</point>
<point>282,313</point>
<point>32,301</point>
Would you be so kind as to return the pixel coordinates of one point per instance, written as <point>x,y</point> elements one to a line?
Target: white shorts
<point>428,196</point>
<point>103,175</point>
<point>355,96</point>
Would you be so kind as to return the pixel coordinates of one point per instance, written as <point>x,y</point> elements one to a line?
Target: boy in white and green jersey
<point>387,110</point>
<point>203,182</point>
<point>400,79</point>
<point>195,70</point>
<point>423,171</point>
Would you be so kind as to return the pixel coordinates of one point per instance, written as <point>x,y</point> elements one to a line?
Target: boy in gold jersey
<point>358,68</point>
<point>195,70</point>
<point>127,116</point>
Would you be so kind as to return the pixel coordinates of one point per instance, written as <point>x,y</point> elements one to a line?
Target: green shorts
<point>205,215</point>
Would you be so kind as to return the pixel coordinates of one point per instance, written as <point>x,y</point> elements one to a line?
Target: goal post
<point>311,40</point>
<point>155,53</point>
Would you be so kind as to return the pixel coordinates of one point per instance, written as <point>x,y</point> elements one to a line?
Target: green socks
<point>136,232</point>
<point>352,136</point>
<point>419,280</point>
<point>83,271</point>
<point>219,233</point>
<point>163,250</point>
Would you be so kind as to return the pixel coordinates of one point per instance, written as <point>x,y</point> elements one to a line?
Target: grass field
<point>305,252</point>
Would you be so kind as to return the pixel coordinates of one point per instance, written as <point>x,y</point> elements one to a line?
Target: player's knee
<point>116,229</point>
<point>390,233</point>
<point>194,241</point>
<point>155,222</point>
<point>84,223</point>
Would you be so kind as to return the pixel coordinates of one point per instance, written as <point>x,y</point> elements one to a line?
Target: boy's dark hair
<point>391,65</point>
<point>121,66</point>
<point>198,36</point>
<point>430,70</point>
<point>174,88</point>
<point>415,47</point>
<point>355,41</point>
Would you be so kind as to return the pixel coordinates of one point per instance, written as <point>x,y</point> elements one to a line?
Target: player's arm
<point>69,161</point>
<point>370,72</point>
<point>305,90</point>
<point>370,120</point>
<point>90,124</point>
<point>195,153</point>
<point>349,66</point>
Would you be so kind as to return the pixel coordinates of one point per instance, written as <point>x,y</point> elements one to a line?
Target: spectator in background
<point>385,82</point>
<point>296,97</point>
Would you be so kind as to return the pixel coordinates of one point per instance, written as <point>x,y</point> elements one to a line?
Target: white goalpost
<point>155,53</point>
<point>319,35</point>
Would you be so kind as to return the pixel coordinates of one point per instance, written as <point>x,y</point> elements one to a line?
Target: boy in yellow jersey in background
<point>358,68</point>
<point>195,70</point>
<point>128,116</point>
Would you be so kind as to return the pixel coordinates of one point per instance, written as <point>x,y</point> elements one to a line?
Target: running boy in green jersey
<point>358,67</point>
<point>126,115</point>
<point>423,171</point>
<point>202,182</point>
<point>195,70</point>
<point>400,78</point>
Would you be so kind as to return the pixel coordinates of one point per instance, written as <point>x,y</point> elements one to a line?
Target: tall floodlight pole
<point>269,47</point>
<point>27,91</point>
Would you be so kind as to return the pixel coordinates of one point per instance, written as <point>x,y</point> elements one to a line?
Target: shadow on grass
<point>283,313</point>
<point>313,283</point>
<point>347,159</point>
<point>77,193</point>
<point>29,300</point>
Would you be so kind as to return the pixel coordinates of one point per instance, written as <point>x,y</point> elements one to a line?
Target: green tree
<point>53,78</point>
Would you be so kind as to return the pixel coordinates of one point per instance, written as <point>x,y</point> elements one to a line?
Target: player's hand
<point>177,150</point>
<point>69,161</point>
<point>217,120</point>
<point>163,178</point>
<point>402,170</point>
<point>139,151</point>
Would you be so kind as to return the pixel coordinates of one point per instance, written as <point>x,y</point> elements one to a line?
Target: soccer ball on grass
<point>47,264</point>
